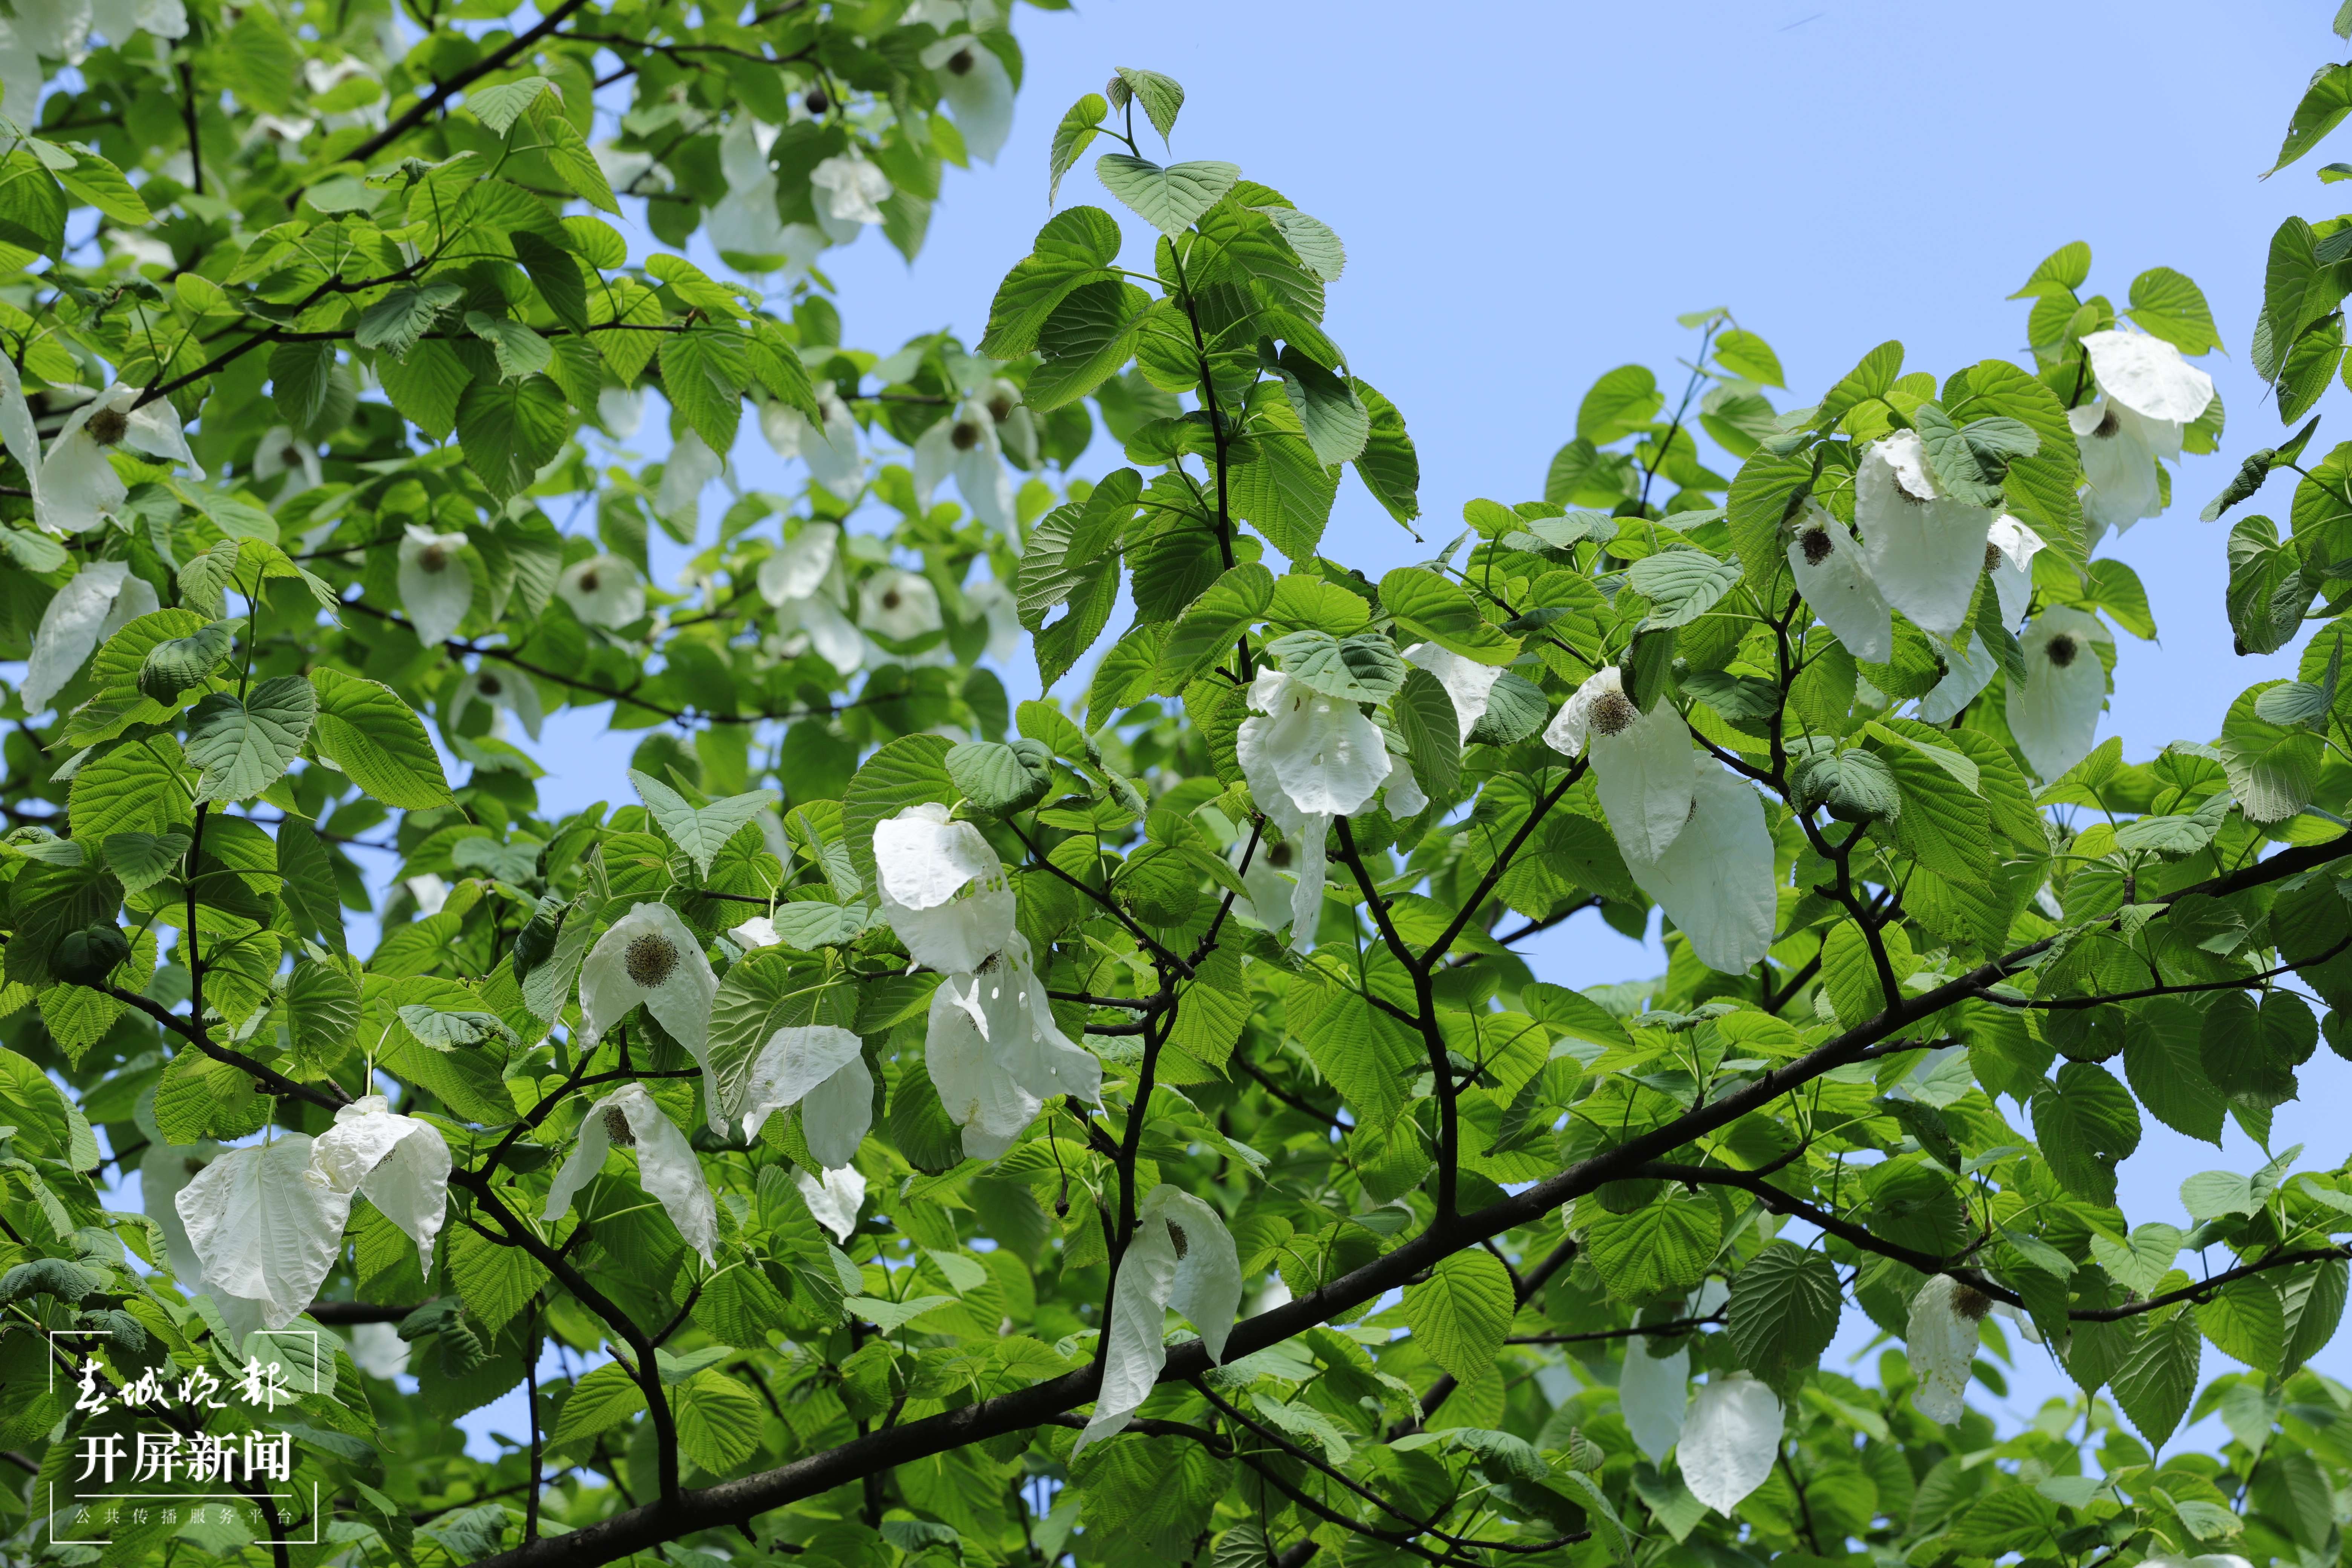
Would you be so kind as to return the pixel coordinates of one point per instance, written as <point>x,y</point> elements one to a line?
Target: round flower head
<point>437,587</point>
<point>2055,713</point>
<point>1942,1339</point>
<point>649,955</point>
<point>280,452</point>
<point>849,193</point>
<point>1182,1256</point>
<point>78,485</point>
<point>965,444</point>
<point>667,1166</point>
<point>1715,879</point>
<point>398,1163</point>
<point>1469,683</point>
<point>1833,577</point>
<point>2147,395</point>
<point>266,1226</point>
<point>2010,549</point>
<point>835,1201</point>
<point>1643,762</point>
<point>942,888</point>
<point>1730,1439</point>
<point>602,590</point>
<point>820,1068</point>
<point>977,88</point>
<point>98,601</point>
<point>801,566</point>
<point>686,474</point>
<point>900,605</point>
<point>511,690</point>
<point>1924,551</point>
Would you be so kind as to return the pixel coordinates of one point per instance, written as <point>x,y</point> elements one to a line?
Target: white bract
<point>1730,1439</point>
<point>994,600</point>
<point>1968,669</point>
<point>995,1054</point>
<point>602,590</point>
<point>2147,396</point>
<point>266,1226</point>
<point>851,192</point>
<point>1653,1392</point>
<point>1308,758</point>
<point>2010,549</point>
<point>667,1167</point>
<point>803,565</point>
<point>163,1170</point>
<point>378,1350</point>
<point>282,453</point>
<point>1269,887</point>
<point>965,445</point>
<point>102,599</point>
<point>508,689</point>
<point>830,450</point>
<point>690,467</point>
<point>437,587</point>
<point>1181,1256</point>
<point>820,1068</point>
<point>1715,879</point>
<point>429,892</point>
<point>745,227</point>
<point>620,410</point>
<point>116,20</point>
<point>942,888</point>
<point>801,581</point>
<point>397,1162</point>
<point>978,89</point>
<point>78,485</point>
<point>21,76</point>
<point>1469,683</point>
<point>2055,714</point>
<point>1642,762</point>
<point>1924,549</point>
<point>1942,1339</point>
<point>900,605</point>
<point>756,932</point>
<point>17,431</point>
<point>835,1201</point>
<point>1835,578</point>
<point>649,956</point>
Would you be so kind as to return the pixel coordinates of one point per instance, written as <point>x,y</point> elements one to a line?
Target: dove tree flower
<point>850,192</point>
<point>163,1170</point>
<point>1925,550</point>
<point>2010,549</point>
<point>687,472</point>
<point>399,1164</point>
<point>830,448</point>
<point>1715,879</point>
<point>282,454</point>
<point>942,888</point>
<point>78,488</point>
<point>266,1226</point>
<point>1181,1256</point>
<point>667,1166</point>
<point>1730,1439</point>
<point>1942,1341</point>
<point>1308,758</point>
<point>2147,397</point>
<point>602,590</point>
<point>821,1068</point>
<point>437,587</point>
<point>648,956</point>
<point>2054,715</point>
<point>1835,578</point>
<point>978,91</point>
<point>995,1054</point>
<point>116,20</point>
<point>965,445</point>
<point>100,600</point>
<point>1653,1394</point>
<point>1470,684</point>
<point>509,690</point>
<point>801,580</point>
<point>900,605</point>
<point>835,1201</point>
<point>1642,762</point>
<point>1969,668</point>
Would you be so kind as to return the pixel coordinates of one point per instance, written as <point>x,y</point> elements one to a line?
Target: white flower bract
<point>1968,669</point>
<point>1730,1439</point>
<point>1653,1392</point>
<point>978,89</point>
<point>821,1068</point>
<point>1469,683</point>
<point>1833,575</point>
<point>1306,754</point>
<point>686,474</point>
<point>397,1162</point>
<point>78,485</point>
<point>803,565</point>
<point>2054,715</point>
<point>995,1054</point>
<point>1642,762</point>
<point>851,190</point>
<point>1941,1337</point>
<point>649,955</point>
<point>163,1170</point>
<point>266,1227</point>
<point>2010,549</point>
<point>835,1201</point>
<point>510,691</point>
<point>965,445</point>
<point>282,453</point>
<point>942,888</point>
<point>1924,549</point>
<point>100,600</point>
<point>1182,1256</point>
<point>602,590</point>
<point>2148,395</point>
<point>900,605</point>
<point>1715,879</point>
<point>667,1166</point>
<point>437,587</point>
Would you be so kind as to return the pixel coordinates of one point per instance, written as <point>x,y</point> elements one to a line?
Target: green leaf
<point>520,350</point>
<point>1001,779</point>
<point>394,324</point>
<point>242,748</point>
<point>428,384</point>
<point>176,664</point>
<point>1515,708</point>
<point>1080,124</point>
<point>905,772</point>
<point>1285,494</point>
<point>1169,199</point>
<point>603,1399</point>
<point>1663,1248</point>
<point>1784,1312</point>
<point>2158,1378</point>
<point>1426,717</point>
<point>2267,594</point>
<point>2168,305</point>
<point>1161,95</point>
<point>100,183</point>
<point>704,372</point>
<point>2087,1123</point>
<point>1872,378</point>
<point>1206,630</point>
<point>142,860</point>
<point>366,731</point>
<point>32,205</point>
<point>2064,271</point>
<point>1336,424</point>
<point>557,141</point>
<point>510,430</point>
<point>2246,1318</point>
<point>1388,465</point>
<point>1362,668</point>
<point>1088,336</point>
<point>446,1031</point>
<point>1743,354</point>
<point>2274,769</point>
<point>500,106</point>
<point>703,832</point>
<point>555,274</point>
<point>1681,585</point>
<point>1461,1313</point>
<point>1438,611</point>
<point>1622,402</point>
<point>1073,247</point>
<point>2326,101</point>
<point>301,381</point>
